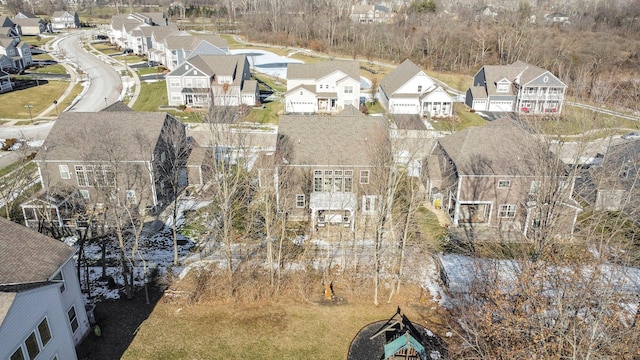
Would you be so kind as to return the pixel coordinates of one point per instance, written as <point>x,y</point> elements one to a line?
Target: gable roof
<point>26,256</point>
<point>321,69</point>
<point>518,72</point>
<point>330,140</point>
<point>502,147</point>
<point>399,76</point>
<point>117,106</point>
<point>221,65</point>
<point>79,136</point>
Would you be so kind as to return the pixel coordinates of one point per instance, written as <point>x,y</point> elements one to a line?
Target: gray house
<point>519,87</point>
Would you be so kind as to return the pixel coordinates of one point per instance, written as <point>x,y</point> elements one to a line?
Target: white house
<point>222,79</point>
<point>61,20</point>
<point>324,86</point>
<point>42,313</point>
<point>409,90</point>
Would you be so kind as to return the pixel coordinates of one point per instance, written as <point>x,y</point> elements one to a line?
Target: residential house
<point>205,79</point>
<point>369,14</point>
<point>324,86</point>
<point>180,47</point>
<point>485,12</point>
<point>61,20</point>
<point>30,24</point>
<point>330,161</point>
<point>500,176</point>
<point>519,87</point>
<point>99,158</point>
<point>613,186</point>
<point>409,90</point>
<point>18,53</point>
<point>157,35</point>
<point>9,28</point>
<point>557,18</point>
<point>5,82</point>
<point>42,312</point>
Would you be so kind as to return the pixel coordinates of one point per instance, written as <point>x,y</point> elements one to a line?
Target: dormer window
<point>502,87</point>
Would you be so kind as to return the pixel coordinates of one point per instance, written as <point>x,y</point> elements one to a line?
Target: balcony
<point>332,201</point>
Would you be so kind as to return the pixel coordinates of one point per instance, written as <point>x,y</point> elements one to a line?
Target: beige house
<point>329,160</point>
<point>500,176</point>
<point>107,156</point>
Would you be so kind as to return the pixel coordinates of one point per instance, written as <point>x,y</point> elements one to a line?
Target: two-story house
<point>9,28</point>
<point>369,14</point>
<point>409,90</point>
<point>61,20</point>
<point>102,158</point>
<point>18,53</point>
<point>519,87</point>
<point>30,24</point>
<point>330,159</point>
<point>202,80</point>
<point>501,176</point>
<point>324,86</point>
<point>42,312</point>
<point>180,47</point>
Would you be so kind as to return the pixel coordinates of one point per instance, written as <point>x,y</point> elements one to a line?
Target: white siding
<point>26,312</point>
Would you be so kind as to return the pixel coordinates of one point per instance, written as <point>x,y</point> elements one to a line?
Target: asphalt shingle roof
<point>26,256</point>
<point>501,147</point>
<point>321,69</point>
<point>331,140</point>
<point>79,136</point>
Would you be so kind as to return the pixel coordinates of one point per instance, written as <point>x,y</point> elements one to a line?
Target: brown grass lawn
<point>266,330</point>
<point>12,104</point>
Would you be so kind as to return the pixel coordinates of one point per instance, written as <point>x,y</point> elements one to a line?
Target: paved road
<point>105,82</point>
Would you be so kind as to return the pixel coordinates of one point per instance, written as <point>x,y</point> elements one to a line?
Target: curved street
<point>105,84</point>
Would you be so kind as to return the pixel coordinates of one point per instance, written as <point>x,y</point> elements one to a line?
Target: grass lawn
<point>276,330</point>
<point>466,119</point>
<point>36,40</point>
<point>106,48</point>
<point>266,115</point>
<point>148,70</point>
<point>49,69</point>
<point>152,96</point>
<point>12,104</point>
<point>577,121</point>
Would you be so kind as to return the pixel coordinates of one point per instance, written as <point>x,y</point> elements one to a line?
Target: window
<point>348,89</point>
<point>624,171</point>
<point>64,172</point>
<point>507,211</point>
<point>368,204</point>
<point>502,87</point>
<point>33,348</point>
<point>504,184</point>
<point>18,354</point>
<point>174,82</point>
<point>300,201</point>
<point>364,176</point>
<point>130,196</point>
<point>84,194</point>
<point>73,319</point>
<point>317,180</point>
<point>44,332</point>
<point>84,175</point>
<point>419,88</point>
<point>33,345</point>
